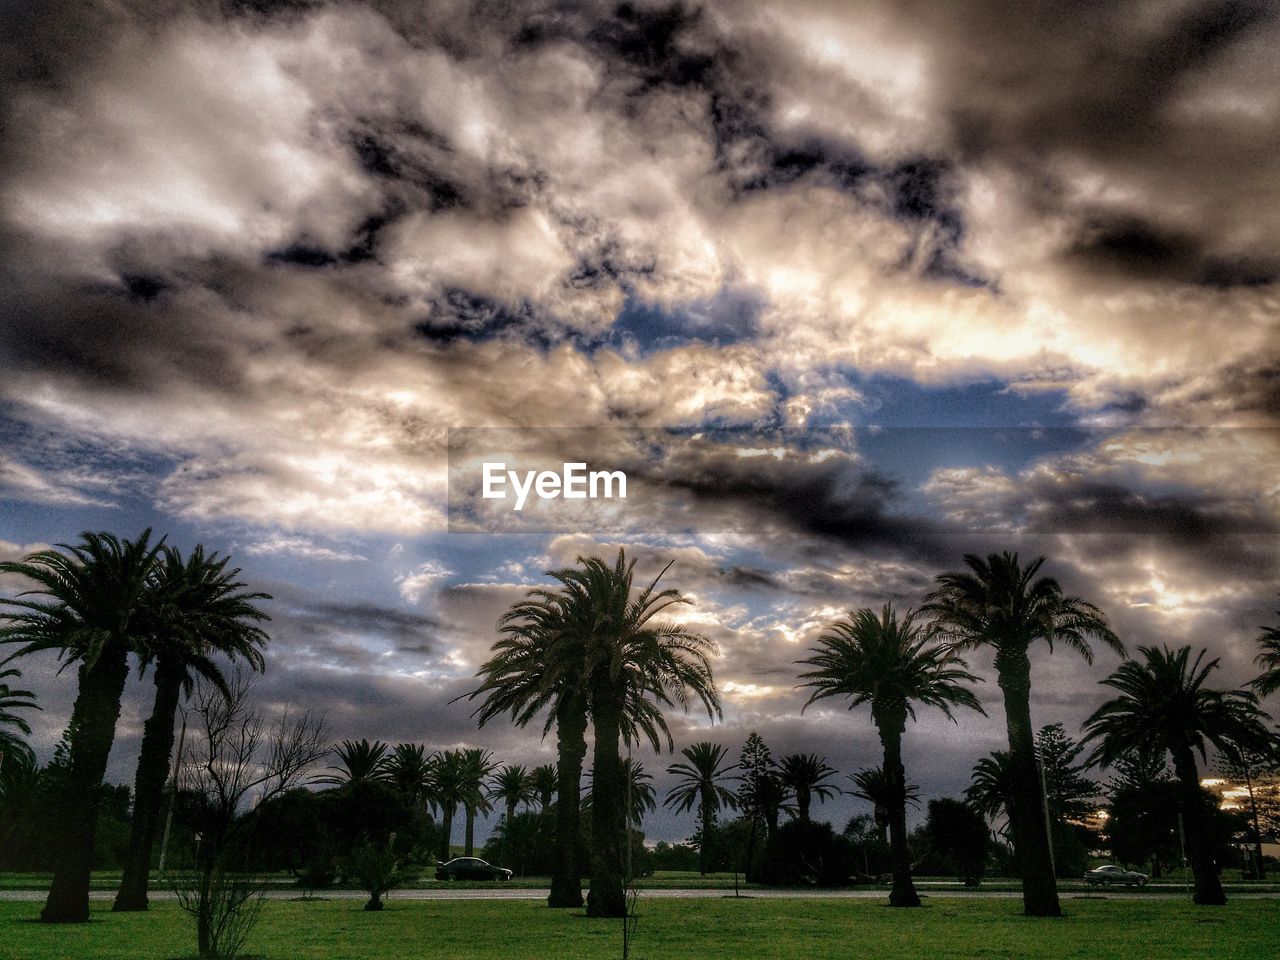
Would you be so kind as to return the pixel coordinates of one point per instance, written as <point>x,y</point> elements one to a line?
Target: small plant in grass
<point>378,871</point>
<point>225,903</point>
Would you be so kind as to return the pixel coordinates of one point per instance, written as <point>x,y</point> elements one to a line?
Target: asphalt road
<point>499,893</point>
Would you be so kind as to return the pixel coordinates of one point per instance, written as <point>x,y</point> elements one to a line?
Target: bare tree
<point>236,759</point>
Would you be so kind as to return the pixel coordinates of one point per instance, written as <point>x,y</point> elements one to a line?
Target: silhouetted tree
<point>94,613</point>
<point>999,603</point>
<point>1165,706</point>
<point>805,775</point>
<point>702,781</point>
<point>201,611</point>
<point>890,665</point>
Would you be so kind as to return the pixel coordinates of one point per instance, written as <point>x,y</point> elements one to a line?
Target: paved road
<point>499,893</point>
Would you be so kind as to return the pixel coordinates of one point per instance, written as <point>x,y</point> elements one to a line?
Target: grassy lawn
<point>750,929</point>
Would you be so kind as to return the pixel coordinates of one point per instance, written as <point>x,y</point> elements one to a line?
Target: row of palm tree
<point>96,604</point>
<point>590,651</point>
<point>594,652</point>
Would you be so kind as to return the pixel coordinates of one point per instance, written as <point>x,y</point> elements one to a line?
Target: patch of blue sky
<point>730,316</point>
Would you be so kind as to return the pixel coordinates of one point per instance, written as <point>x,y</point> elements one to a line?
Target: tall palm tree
<point>638,794</point>
<point>805,775</point>
<point>543,781</point>
<point>515,682</point>
<point>513,786</point>
<point>411,770</point>
<point>634,666</point>
<point>359,761</point>
<point>11,746</point>
<point>1269,660</point>
<point>200,610</point>
<point>448,790</point>
<point>999,603</point>
<point>1164,706</point>
<point>703,782</point>
<point>873,786</point>
<point>889,664</point>
<point>94,613</point>
<point>477,766</point>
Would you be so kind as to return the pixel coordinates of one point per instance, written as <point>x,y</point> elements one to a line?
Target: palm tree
<point>1164,706</point>
<point>543,781</point>
<point>634,666</point>
<point>638,788</point>
<point>477,766</point>
<point>889,664</point>
<point>200,610</point>
<point>359,761</point>
<point>991,786</point>
<point>1269,659</point>
<point>448,790</point>
<point>702,782</point>
<point>96,612</point>
<point>805,775</point>
<point>411,770</point>
<point>12,746</point>
<point>512,785</point>
<point>999,603</point>
<point>515,682</point>
<point>873,786</point>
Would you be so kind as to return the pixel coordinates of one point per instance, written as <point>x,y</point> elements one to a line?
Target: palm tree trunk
<point>704,846</point>
<point>1208,888</point>
<point>1026,814</point>
<point>446,826</point>
<point>749,866</point>
<point>803,799</point>
<point>571,742</point>
<point>148,787</point>
<point>607,898</point>
<point>93,729</point>
<point>903,892</point>
<point>469,842</point>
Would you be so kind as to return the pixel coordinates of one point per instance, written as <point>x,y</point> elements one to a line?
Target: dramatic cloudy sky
<point>849,289</point>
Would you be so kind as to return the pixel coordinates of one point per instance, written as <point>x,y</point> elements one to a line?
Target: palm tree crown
<point>990,790</point>
<point>96,589</point>
<point>1001,604</point>
<point>512,785</point>
<point>1164,704</point>
<point>805,775</point>
<point>359,761</point>
<point>890,664</point>
<point>702,779</point>
<point>411,770</point>
<point>543,781</point>
<point>12,746</point>
<point>1269,660</point>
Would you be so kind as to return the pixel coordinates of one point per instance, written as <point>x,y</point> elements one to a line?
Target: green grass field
<point>746,929</point>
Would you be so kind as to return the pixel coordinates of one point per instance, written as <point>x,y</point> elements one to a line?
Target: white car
<point>1113,874</point>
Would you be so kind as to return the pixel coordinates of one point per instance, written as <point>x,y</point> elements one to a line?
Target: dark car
<point>471,868</point>
<point>1113,874</point>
